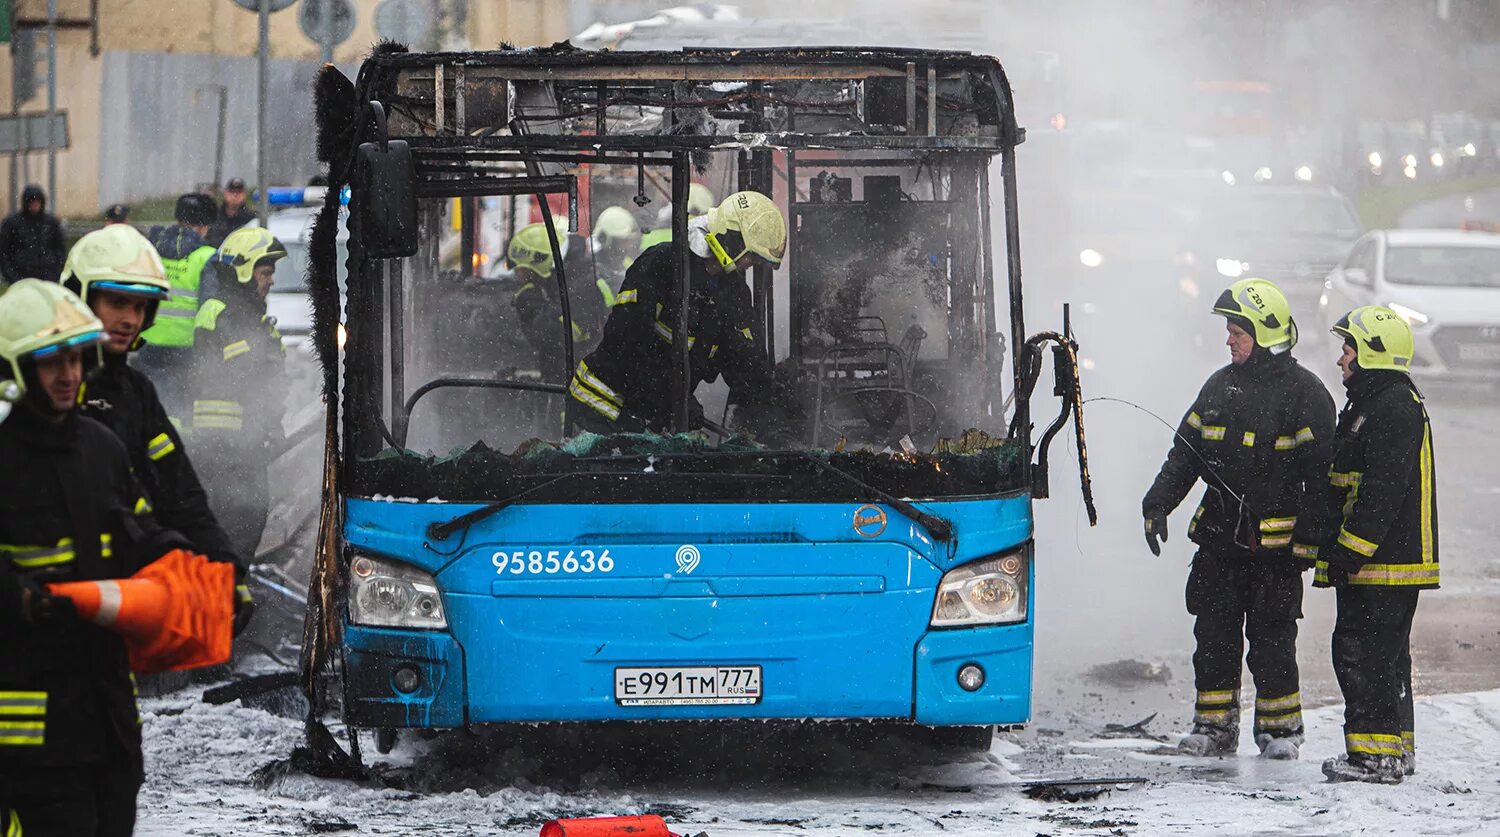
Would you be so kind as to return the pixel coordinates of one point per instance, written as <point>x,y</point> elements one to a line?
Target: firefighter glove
<point>1156,530</point>
<point>36,605</point>
<point>244,607</point>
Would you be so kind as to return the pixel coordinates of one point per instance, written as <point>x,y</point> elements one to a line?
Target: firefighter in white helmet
<point>625,385</point>
<point>70,510</point>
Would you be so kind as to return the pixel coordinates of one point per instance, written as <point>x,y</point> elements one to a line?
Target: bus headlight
<point>394,595</point>
<point>990,591</point>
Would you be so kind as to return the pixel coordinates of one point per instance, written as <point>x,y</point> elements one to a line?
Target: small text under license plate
<point>688,686</point>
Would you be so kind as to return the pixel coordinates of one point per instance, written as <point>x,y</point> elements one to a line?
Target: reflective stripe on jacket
<point>174,318</point>
<point>1262,431</point>
<point>1378,511</point>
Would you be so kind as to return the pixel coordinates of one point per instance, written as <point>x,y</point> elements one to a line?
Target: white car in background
<point>1444,283</point>
<point>288,301</point>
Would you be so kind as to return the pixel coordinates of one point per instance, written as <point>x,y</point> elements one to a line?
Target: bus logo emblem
<point>688,558</point>
<point>869,521</point>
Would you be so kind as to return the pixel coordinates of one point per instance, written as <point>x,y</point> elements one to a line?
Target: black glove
<point>1156,527</point>
<point>244,607</point>
<point>33,603</point>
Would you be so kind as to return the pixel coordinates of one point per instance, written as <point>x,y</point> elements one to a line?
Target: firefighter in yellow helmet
<point>1259,435</point>
<point>118,273</point>
<point>616,240</point>
<point>536,301</point>
<point>70,510</point>
<point>700,202</point>
<point>626,383</point>
<point>1378,543</point>
<point>239,385</point>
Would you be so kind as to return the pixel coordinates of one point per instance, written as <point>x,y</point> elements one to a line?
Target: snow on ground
<point>200,759</point>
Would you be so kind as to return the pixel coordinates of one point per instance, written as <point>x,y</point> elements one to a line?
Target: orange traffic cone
<point>176,613</point>
<point>648,825</point>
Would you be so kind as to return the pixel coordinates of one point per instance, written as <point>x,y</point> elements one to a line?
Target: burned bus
<point>482,562</point>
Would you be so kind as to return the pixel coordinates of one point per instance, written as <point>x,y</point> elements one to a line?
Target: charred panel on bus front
<point>882,326</point>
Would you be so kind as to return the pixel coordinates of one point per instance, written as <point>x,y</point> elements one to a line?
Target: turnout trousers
<point>1372,660</point>
<point>1236,597</point>
<point>94,800</point>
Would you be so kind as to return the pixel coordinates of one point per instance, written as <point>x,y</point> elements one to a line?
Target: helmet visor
<point>88,338</point>
<point>130,289</point>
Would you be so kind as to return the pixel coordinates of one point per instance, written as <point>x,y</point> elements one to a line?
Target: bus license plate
<point>694,686</point>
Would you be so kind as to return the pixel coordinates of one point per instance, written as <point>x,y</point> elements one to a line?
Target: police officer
<point>1379,545</point>
<point>239,386</point>
<point>529,254</point>
<point>70,739</point>
<point>1259,435</point>
<point>625,385</point>
<point>184,251</point>
<point>118,274</point>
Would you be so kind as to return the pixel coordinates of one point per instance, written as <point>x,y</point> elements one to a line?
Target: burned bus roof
<point>566,98</point>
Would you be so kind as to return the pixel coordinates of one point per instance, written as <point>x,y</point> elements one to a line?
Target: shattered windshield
<point>874,342</point>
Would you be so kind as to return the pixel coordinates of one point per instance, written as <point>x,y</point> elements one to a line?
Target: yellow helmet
<point>37,319</point>
<point>117,258</point>
<point>530,248</point>
<point>616,223</point>
<point>245,248</point>
<point>1263,305</point>
<point>700,199</point>
<point>747,222</point>
<point>1382,338</point>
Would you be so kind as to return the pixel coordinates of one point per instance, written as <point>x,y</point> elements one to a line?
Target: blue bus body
<point>853,542</point>
<point>838,620</point>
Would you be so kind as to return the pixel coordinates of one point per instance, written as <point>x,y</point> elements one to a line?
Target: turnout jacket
<point>124,400</point>
<point>239,369</point>
<point>69,511</point>
<point>1377,509</point>
<point>631,370</point>
<point>1261,433</point>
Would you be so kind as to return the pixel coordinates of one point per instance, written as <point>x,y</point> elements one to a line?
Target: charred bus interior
<point>885,327</point>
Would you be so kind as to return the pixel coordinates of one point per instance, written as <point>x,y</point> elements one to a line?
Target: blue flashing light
<point>302,195</point>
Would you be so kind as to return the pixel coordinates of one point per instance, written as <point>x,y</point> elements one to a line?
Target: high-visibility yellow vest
<point>174,318</point>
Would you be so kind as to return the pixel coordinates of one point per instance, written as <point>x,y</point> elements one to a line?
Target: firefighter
<point>1379,545</point>
<point>118,274</point>
<point>529,254</point>
<point>70,736</point>
<point>184,251</point>
<point>617,240</point>
<point>625,385</point>
<point>700,202</point>
<point>1259,435</point>
<point>239,386</point>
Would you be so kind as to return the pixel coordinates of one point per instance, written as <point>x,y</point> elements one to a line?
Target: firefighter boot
<point>1363,767</point>
<point>1279,747</point>
<point>1211,740</point>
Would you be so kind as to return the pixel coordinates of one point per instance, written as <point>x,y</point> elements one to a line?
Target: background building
<point>160,95</point>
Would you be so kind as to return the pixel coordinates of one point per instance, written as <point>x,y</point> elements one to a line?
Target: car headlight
<point>390,594</point>
<point>1375,159</point>
<point>1232,268</point>
<point>1263,174</point>
<point>1090,258</point>
<point>1412,316</point>
<point>1303,173</point>
<point>990,591</point>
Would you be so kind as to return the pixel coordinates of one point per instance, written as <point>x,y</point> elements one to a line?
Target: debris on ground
<point>1077,790</point>
<point>1130,673</point>
<point>1135,730</point>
